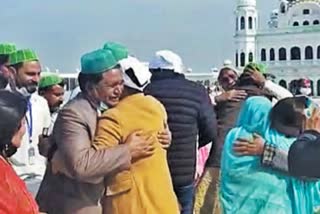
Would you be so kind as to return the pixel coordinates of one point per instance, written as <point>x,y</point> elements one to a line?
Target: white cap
<point>140,71</point>
<point>227,64</point>
<point>166,59</point>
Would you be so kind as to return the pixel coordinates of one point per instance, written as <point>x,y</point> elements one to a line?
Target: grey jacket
<point>73,182</point>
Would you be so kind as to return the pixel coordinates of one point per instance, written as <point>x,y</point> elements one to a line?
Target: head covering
<point>243,180</point>
<point>119,51</point>
<point>303,195</point>
<point>256,66</point>
<point>7,48</point>
<point>166,59</point>
<point>254,114</point>
<point>97,61</point>
<point>25,55</point>
<point>136,74</point>
<point>49,79</point>
<point>229,67</point>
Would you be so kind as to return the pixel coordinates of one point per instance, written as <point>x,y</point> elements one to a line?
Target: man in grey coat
<point>73,182</point>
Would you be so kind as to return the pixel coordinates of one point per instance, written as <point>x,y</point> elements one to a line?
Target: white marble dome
<point>245,3</point>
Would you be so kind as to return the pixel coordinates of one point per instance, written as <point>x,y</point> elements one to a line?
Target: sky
<point>60,31</point>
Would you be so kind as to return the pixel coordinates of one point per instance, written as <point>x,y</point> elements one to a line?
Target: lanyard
<point>30,122</point>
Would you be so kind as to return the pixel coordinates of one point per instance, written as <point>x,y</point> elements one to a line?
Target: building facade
<point>289,46</point>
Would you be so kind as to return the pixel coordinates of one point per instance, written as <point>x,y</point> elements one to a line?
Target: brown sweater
<point>227,115</point>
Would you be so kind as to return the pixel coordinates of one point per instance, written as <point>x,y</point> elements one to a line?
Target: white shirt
<point>41,119</point>
<point>277,90</point>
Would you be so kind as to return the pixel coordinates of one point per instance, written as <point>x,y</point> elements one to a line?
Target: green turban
<point>119,51</point>
<point>256,66</point>
<point>25,55</point>
<point>97,62</point>
<point>49,79</point>
<point>7,48</point>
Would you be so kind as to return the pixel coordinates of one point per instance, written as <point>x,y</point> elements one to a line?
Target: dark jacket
<point>227,115</point>
<point>304,155</point>
<point>190,114</point>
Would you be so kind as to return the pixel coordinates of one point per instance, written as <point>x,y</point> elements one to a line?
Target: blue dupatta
<point>246,187</point>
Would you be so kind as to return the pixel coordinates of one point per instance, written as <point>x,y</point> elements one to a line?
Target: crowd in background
<point>146,140</point>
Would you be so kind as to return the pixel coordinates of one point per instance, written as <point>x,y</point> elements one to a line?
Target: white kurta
<point>41,119</point>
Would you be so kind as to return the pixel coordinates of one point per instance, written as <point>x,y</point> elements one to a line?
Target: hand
<point>232,95</point>
<point>165,137</point>
<point>140,146</point>
<point>257,77</point>
<point>43,145</point>
<point>244,147</point>
<point>313,123</point>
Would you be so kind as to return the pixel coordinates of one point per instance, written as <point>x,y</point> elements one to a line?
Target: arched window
<point>305,23</point>
<point>242,23</point>
<point>242,59</point>
<point>237,24</point>
<point>316,22</point>
<point>250,57</point>
<point>282,8</point>
<point>308,52</point>
<point>295,53</point>
<point>237,59</point>
<point>293,86</point>
<point>306,12</point>
<point>250,23</point>
<point>318,88</point>
<point>263,55</point>
<point>283,83</point>
<point>318,53</point>
<point>295,23</point>
<point>272,55</point>
<point>282,54</point>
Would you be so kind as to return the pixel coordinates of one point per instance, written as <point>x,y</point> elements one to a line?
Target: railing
<point>293,29</point>
<point>315,62</point>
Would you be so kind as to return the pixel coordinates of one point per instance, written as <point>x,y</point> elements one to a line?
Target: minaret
<point>246,27</point>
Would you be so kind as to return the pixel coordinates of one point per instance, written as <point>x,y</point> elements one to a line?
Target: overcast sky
<point>201,31</point>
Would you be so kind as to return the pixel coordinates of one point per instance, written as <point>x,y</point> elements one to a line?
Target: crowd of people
<point>145,140</point>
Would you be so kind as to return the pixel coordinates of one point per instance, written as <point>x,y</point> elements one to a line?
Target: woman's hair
<point>13,108</point>
<point>287,116</point>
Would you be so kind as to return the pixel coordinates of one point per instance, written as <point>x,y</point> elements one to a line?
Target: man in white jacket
<point>27,162</point>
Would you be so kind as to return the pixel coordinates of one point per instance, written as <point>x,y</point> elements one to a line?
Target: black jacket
<point>190,114</point>
<point>304,155</point>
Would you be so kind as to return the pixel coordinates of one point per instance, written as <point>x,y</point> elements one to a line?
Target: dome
<point>244,3</point>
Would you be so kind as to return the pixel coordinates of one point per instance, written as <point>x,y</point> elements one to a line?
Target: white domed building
<point>289,46</point>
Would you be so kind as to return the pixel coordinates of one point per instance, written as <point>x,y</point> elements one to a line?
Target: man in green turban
<point>28,162</point>
<point>51,87</point>
<point>74,180</point>
<point>5,75</point>
<point>26,67</point>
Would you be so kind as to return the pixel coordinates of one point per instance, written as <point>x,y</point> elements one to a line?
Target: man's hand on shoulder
<point>232,95</point>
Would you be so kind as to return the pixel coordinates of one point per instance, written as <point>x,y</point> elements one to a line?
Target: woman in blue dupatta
<point>245,186</point>
<point>287,121</point>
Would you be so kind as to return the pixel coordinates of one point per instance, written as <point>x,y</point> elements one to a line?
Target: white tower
<point>246,28</point>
